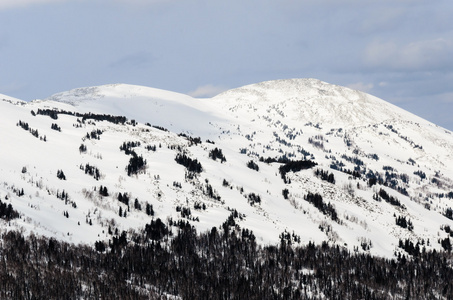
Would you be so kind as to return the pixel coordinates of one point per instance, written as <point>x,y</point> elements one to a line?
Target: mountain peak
<point>114,91</point>
<point>312,100</point>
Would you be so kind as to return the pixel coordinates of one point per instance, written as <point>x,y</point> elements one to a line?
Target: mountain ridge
<point>408,159</point>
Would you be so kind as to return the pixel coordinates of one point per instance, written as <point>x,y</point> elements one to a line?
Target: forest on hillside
<point>223,263</point>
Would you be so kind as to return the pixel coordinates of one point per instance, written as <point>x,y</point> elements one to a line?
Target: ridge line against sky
<point>400,51</point>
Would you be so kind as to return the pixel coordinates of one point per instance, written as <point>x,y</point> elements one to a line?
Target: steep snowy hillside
<point>314,161</point>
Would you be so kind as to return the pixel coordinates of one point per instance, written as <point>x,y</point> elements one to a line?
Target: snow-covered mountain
<point>382,174</point>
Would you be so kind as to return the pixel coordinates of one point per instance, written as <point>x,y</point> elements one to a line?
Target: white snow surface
<point>296,118</point>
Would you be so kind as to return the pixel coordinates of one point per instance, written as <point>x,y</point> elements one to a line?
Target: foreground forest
<point>223,263</point>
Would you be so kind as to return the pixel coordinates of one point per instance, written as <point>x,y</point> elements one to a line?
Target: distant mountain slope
<point>172,110</point>
<point>300,156</point>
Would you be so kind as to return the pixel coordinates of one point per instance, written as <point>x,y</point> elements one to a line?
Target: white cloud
<point>361,86</point>
<point>207,91</point>
<point>424,55</point>
<point>6,4</point>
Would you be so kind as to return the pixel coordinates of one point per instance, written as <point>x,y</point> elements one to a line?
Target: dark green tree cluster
<point>61,175</point>
<point>446,244</point>
<point>402,222</point>
<point>103,191</point>
<point>210,192</point>
<point>326,208</point>
<point>382,194</point>
<point>253,165</point>
<point>91,170</point>
<point>82,148</point>
<point>7,212</point>
<point>95,134</point>
<point>136,164</point>
<point>295,166</point>
<point>254,199</point>
<point>192,140</point>
<point>55,127</point>
<point>449,213</point>
<point>216,153</point>
<point>325,175</point>
<point>149,209</point>
<point>123,198</point>
<point>192,165</point>
<point>127,147</point>
<point>34,132</point>
<point>409,247</point>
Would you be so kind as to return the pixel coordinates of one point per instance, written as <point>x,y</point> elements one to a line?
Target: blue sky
<point>398,50</point>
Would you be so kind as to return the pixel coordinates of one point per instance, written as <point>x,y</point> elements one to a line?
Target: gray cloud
<point>423,55</point>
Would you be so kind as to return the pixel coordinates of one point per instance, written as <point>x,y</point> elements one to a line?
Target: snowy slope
<point>340,129</point>
<point>171,110</point>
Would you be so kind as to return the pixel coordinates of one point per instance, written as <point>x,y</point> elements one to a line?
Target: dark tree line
<point>159,127</point>
<point>23,125</point>
<point>295,166</point>
<point>222,263</point>
<point>282,159</point>
<point>151,148</point>
<point>52,113</point>
<point>34,132</point>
